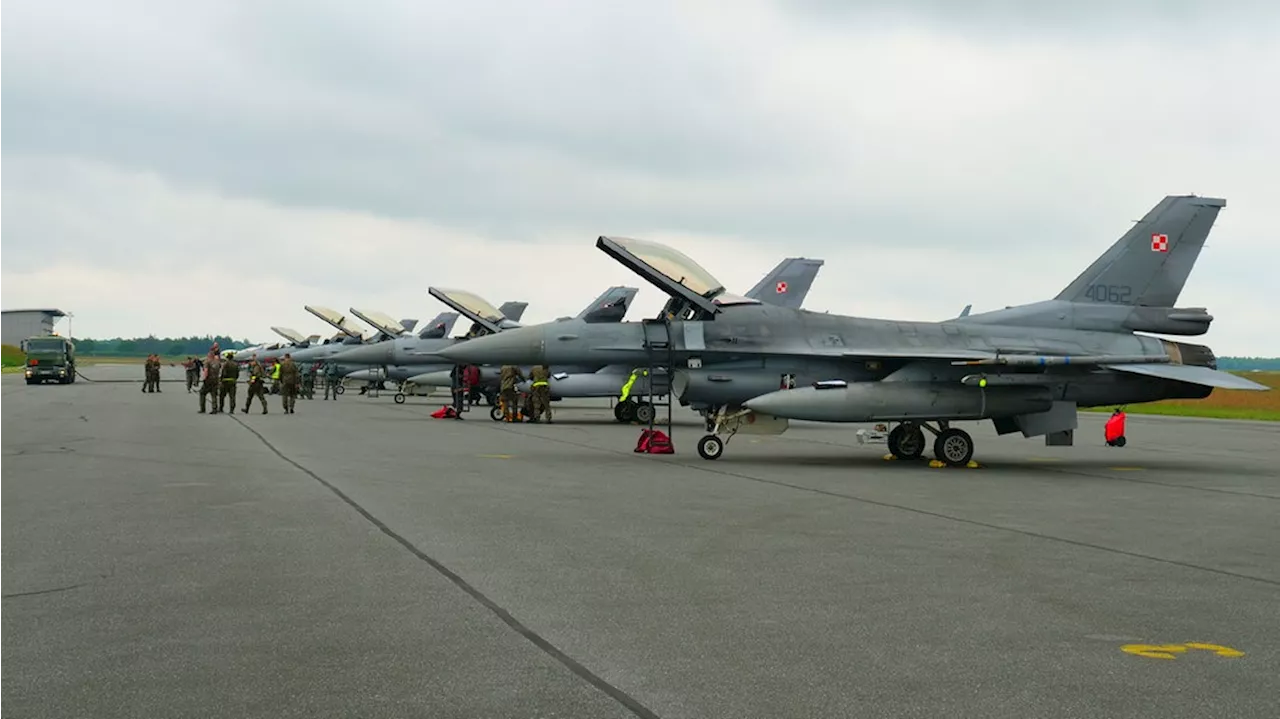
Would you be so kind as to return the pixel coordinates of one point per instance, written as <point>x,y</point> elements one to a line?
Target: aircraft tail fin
<point>439,327</point>
<point>610,306</point>
<point>513,310</point>
<point>1149,265</point>
<point>408,325</point>
<point>787,284</point>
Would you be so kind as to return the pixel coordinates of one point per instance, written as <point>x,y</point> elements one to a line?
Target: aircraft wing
<point>291,335</point>
<point>1191,374</point>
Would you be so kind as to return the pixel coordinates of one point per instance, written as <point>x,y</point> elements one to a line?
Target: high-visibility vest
<point>626,388</point>
<point>275,373</point>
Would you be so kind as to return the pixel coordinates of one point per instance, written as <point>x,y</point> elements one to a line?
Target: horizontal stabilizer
<point>1191,374</point>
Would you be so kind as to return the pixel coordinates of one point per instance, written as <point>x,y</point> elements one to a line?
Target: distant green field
<point>13,357</point>
<point>1222,404</point>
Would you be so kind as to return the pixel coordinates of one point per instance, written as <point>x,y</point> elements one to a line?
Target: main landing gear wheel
<point>710,447</point>
<point>644,413</point>
<point>953,447</point>
<point>625,412</point>
<point>399,398</point>
<point>906,442</point>
<point>339,389</point>
<point>495,413</point>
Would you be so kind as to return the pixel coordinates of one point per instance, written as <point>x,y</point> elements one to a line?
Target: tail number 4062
<point>1113,294</point>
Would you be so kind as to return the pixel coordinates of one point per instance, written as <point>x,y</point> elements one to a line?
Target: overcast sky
<point>209,167</point>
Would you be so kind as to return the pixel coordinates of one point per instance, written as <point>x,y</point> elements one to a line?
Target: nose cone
<point>520,346</point>
<point>374,354</point>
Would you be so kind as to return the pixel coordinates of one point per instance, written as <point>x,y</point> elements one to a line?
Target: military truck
<point>50,359</point>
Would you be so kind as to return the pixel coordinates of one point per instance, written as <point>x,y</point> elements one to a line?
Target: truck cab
<point>50,359</point>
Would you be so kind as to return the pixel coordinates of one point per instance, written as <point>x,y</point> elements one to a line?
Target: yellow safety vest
<point>275,373</point>
<point>626,388</point>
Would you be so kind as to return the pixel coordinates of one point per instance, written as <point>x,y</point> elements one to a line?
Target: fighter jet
<point>411,358</point>
<point>786,285</point>
<point>1026,368</point>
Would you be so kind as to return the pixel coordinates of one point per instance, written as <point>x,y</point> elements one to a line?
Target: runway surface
<point>359,558</point>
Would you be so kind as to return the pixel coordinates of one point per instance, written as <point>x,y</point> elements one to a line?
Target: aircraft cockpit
<point>691,287</point>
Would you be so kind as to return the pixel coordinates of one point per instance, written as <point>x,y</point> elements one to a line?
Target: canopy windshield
<point>673,264</point>
<point>380,320</point>
<point>471,305</point>
<point>725,298</point>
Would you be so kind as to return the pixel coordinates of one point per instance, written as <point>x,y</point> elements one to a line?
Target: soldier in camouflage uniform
<point>540,379</point>
<point>193,373</point>
<point>257,385</point>
<point>227,385</point>
<point>289,380</point>
<point>331,380</point>
<point>511,375</point>
<point>309,383</point>
<point>209,388</point>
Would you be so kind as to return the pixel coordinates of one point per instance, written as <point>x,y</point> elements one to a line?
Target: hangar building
<point>21,324</point>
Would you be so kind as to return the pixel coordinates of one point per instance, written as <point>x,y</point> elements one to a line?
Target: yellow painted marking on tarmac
<point>1171,651</point>
<point>1154,651</point>
<point>1216,649</point>
<point>494,456</point>
<point>1127,469</point>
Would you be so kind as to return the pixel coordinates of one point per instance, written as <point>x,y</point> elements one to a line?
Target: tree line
<point>163,346</point>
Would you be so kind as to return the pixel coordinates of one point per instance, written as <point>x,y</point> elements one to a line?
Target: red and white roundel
<point>1159,243</point>
<point>782,287</point>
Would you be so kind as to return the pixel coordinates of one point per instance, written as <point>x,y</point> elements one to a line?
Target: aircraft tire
<point>627,412</point>
<point>710,447</point>
<point>495,413</point>
<point>617,412</point>
<point>399,398</point>
<point>906,444</point>
<point>953,447</point>
<point>339,389</point>
<point>644,413</point>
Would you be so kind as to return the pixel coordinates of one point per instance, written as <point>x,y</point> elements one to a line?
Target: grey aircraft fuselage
<point>748,350</point>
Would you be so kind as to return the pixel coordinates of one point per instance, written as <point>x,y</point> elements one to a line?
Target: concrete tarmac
<point>360,558</point>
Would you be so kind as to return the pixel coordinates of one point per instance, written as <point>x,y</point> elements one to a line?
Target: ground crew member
<point>257,385</point>
<point>331,380</point>
<point>455,381</point>
<point>511,374</point>
<point>146,375</point>
<point>275,377</point>
<point>288,373</point>
<point>193,373</point>
<point>309,382</point>
<point>230,374</point>
<point>626,388</point>
<point>212,372</point>
<point>540,380</point>
<point>155,372</point>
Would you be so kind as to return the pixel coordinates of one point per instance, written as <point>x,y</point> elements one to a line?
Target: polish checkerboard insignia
<point>782,287</point>
<point>1159,243</point>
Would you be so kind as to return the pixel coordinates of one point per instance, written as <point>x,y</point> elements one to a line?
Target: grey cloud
<point>1041,19</point>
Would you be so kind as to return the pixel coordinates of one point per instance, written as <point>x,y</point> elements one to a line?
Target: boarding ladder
<point>660,355</point>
